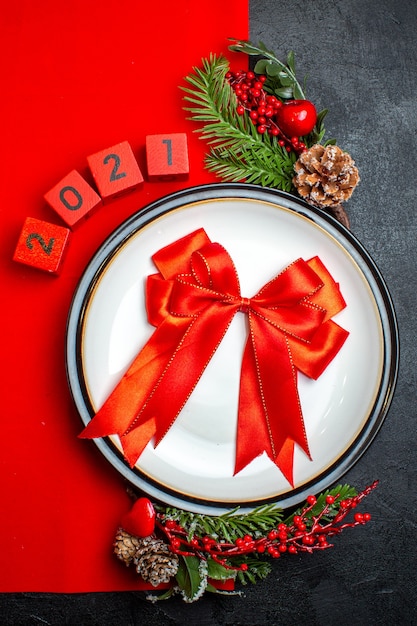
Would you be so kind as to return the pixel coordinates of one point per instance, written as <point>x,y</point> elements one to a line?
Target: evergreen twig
<point>230,525</point>
<point>238,152</point>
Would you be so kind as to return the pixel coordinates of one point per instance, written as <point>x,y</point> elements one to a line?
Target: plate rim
<point>212,191</point>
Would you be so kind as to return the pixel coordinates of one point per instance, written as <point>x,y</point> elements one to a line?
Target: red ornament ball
<point>296,118</point>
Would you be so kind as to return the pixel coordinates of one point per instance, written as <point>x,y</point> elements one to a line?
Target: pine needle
<point>230,525</point>
<point>238,152</point>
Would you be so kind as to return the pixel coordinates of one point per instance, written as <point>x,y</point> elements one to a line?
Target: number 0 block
<point>115,170</point>
<point>42,245</point>
<point>167,157</point>
<point>73,199</point>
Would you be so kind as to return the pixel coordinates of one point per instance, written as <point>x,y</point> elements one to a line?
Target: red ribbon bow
<point>191,302</point>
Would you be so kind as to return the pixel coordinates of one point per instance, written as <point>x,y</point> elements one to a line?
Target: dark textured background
<point>361,61</point>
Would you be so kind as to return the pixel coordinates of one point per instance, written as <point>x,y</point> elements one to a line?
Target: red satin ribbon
<point>191,302</point>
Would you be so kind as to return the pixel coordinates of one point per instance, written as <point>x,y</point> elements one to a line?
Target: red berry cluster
<point>261,107</point>
<point>304,532</point>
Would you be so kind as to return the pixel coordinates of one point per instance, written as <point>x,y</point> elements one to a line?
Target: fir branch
<point>257,570</point>
<point>228,526</point>
<point>214,104</point>
<point>253,166</point>
<point>238,150</point>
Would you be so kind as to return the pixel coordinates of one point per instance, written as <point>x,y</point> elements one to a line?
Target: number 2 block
<point>73,199</point>
<point>41,245</point>
<point>115,170</point>
<point>167,157</point>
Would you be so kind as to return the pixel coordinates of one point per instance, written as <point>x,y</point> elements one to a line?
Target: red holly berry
<point>296,118</point>
<point>308,540</point>
<point>171,524</point>
<point>175,543</point>
<point>140,520</point>
<point>273,534</point>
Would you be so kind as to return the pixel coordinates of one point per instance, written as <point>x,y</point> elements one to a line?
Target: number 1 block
<point>115,170</point>
<point>167,157</point>
<point>73,199</point>
<point>41,245</point>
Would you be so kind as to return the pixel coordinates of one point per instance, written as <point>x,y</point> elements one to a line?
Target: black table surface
<point>361,61</point>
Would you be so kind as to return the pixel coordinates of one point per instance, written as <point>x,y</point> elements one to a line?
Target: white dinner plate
<point>263,230</point>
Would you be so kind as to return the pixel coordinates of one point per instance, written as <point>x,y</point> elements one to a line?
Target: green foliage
<point>254,166</point>
<point>192,577</point>
<point>228,526</point>
<point>219,572</point>
<point>238,152</point>
<point>213,103</point>
<point>317,134</point>
<point>257,570</point>
<point>340,492</point>
<point>193,574</point>
<point>281,81</point>
<point>195,570</point>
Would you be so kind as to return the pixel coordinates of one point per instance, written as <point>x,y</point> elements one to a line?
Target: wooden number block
<point>73,199</point>
<point>167,157</point>
<point>41,245</point>
<point>115,170</point>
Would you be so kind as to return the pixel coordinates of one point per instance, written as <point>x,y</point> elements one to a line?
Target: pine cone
<point>126,546</point>
<point>155,562</point>
<point>325,176</point>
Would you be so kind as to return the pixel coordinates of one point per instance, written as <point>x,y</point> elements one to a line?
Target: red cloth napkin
<point>77,78</point>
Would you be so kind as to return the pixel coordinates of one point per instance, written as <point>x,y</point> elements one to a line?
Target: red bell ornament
<point>296,118</point>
